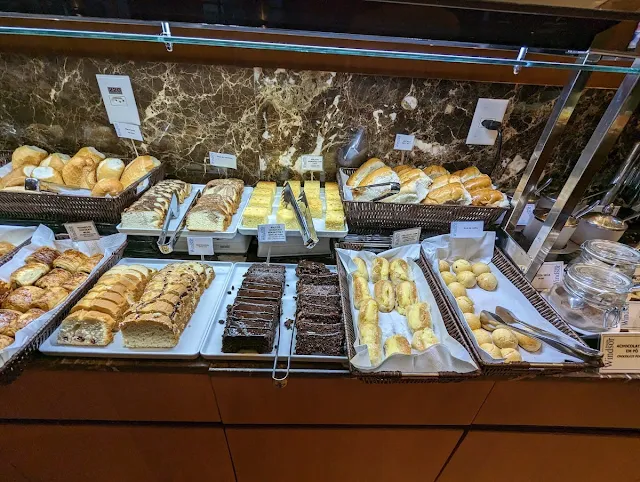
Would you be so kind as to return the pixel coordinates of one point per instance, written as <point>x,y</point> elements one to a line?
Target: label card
<point>272,233</point>
<point>404,142</point>
<point>220,159</point>
<point>312,163</point>
<point>631,317</point>
<point>142,186</point>
<point>85,231</point>
<point>621,352</point>
<point>405,236</point>
<point>467,229</point>
<point>527,215</point>
<point>118,98</point>
<point>200,246</point>
<point>548,274</point>
<point>128,131</point>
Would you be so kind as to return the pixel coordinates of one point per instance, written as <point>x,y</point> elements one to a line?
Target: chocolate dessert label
<point>272,233</point>
<point>85,231</point>
<point>621,352</point>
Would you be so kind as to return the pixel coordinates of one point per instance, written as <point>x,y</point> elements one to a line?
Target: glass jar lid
<point>611,252</point>
<point>597,284</point>
<point>541,215</point>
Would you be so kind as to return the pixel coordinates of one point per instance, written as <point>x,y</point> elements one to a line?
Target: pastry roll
<point>435,171</point>
<point>399,271</point>
<point>380,269</point>
<point>91,262</point>
<point>360,291</point>
<point>75,280</point>
<point>423,339</point>
<point>55,277</point>
<point>29,316</point>
<point>480,182</point>
<point>44,255</point>
<point>368,314</point>
<point>362,268</point>
<point>384,296</point>
<point>50,299</point>
<point>370,334</point>
<point>396,344</point>
<point>5,341</point>
<point>8,320</point>
<point>418,316</point>
<point>468,173</point>
<point>23,298</point>
<point>406,295</point>
<point>28,274</point>
<point>70,260</point>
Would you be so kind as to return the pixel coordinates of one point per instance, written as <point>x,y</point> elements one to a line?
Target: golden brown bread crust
<point>80,172</point>
<point>379,269</point>
<point>360,291</point>
<point>480,182</point>
<point>29,316</point>
<point>44,255</point>
<point>363,171</point>
<point>468,173</point>
<point>5,341</point>
<point>138,168</point>
<point>435,171</point>
<point>51,298</point>
<point>396,344</point>
<point>6,247</point>
<point>28,274</point>
<point>399,271</point>
<point>23,299</point>
<point>450,193</point>
<point>384,296</point>
<point>70,260</point>
<point>406,295</point>
<point>112,187</point>
<point>27,155</point>
<point>91,262</point>
<point>401,169</point>
<point>486,197</point>
<point>8,320</point>
<point>444,181</point>
<point>56,277</point>
<point>75,280</point>
<point>5,289</point>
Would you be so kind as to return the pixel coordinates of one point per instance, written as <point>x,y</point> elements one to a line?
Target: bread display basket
<point>371,217</point>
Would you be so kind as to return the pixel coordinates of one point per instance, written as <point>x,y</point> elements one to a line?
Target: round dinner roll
<point>443,265</point>
<point>461,265</point>
<point>457,289</point>
<point>465,303</point>
<point>466,279</point>
<point>109,168</point>
<point>487,281</point>
<point>527,343</point>
<point>504,338</point>
<point>112,187</point>
<point>482,336</point>
<point>472,320</point>
<point>479,268</point>
<point>448,277</point>
<point>55,160</point>
<point>423,339</point>
<point>48,174</point>
<point>492,350</point>
<point>80,172</point>
<point>511,355</point>
<point>24,155</point>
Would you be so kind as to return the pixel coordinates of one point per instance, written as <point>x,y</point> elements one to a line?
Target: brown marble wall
<point>270,117</point>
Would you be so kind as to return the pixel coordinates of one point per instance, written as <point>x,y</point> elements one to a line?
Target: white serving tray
<point>212,343</point>
<point>175,223</point>
<point>190,341</point>
<point>319,224</point>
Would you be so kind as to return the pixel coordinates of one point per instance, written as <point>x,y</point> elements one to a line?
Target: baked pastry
<point>443,266</point>
<point>396,344</point>
<point>492,350</point>
<point>8,320</point>
<point>112,187</point>
<point>361,268</point>
<point>218,203</point>
<point>5,341</point>
<point>406,295</point>
<point>28,274</point>
<point>379,176</point>
<point>27,155</point>
<point>466,279</point>
<point>504,338</point>
<point>56,160</point>
<point>47,174</point>
<point>457,289</point>
<point>75,280</point>
<point>468,173</point>
<point>435,171</point>
<point>380,269</point>
<point>51,298</point>
<point>363,171</point>
<point>444,180</point>
<point>70,260</point>
<point>5,289</point>
<point>79,172</point>
<point>138,168</point>
<point>479,268</point>
<point>414,185</point>
<point>487,281</point>
<point>150,210</point>
<point>44,255</point>
<point>461,265</point>
<point>28,317</point>
<point>527,343</point>
<point>451,193</point>
<point>360,291</point>
<point>472,320</point>
<point>399,271</point>
<point>384,295</point>
<point>448,277</point>
<point>368,313</point>
<point>488,197</point>
<point>479,182</point>
<point>92,154</point>
<point>465,304</point>
<point>109,168</point>
<point>482,336</point>
<point>370,334</point>
<point>87,328</point>
<point>418,316</point>
<point>55,277</point>
<point>91,262</point>
<point>511,355</point>
<point>423,339</point>
<point>6,247</point>
<point>23,299</point>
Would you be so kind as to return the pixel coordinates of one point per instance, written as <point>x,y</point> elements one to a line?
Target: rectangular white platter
<point>212,343</point>
<point>319,224</point>
<point>189,345</point>
<point>174,223</point>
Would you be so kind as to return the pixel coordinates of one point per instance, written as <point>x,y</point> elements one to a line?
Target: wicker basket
<point>513,274</point>
<point>367,217</point>
<point>399,377</point>
<point>14,366</point>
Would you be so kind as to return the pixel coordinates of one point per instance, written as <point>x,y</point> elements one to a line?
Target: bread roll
<point>466,279</point>
<point>90,153</point>
<point>423,339</point>
<point>396,344</point>
<point>527,343</point>
<point>435,171</point>
<point>80,172</point>
<point>479,268</point>
<point>382,175</point>
<point>112,187</point>
<point>138,168</point>
<point>8,320</point>
<point>414,186</point>
<point>457,289</point>
<point>48,174</point>
<point>482,336</point>
<point>492,350</point>
<point>487,281</point>
<point>27,155</point>
<point>511,355</point>
<point>370,334</point>
<point>380,269</point>
<point>448,277</point>
<point>406,295</point>
<point>443,266</point>
<point>368,313</point>
<point>461,265</point>
<point>360,291</point>
<point>419,316</point>
<point>465,304</point>
<point>362,270</point>
<point>363,171</point>
<point>6,341</point>
<point>399,271</point>
<point>16,177</point>
<point>487,197</point>
<point>401,168</point>
<point>480,182</point>
<point>51,298</point>
<point>468,173</point>
<point>28,274</point>
<point>504,338</point>
<point>443,181</point>
<point>384,295</point>
<point>472,320</point>
<point>22,299</point>
<point>375,353</point>
<point>56,161</point>
<point>453,193</point>
<point>109,168</point>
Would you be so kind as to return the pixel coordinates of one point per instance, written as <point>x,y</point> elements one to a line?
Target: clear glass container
<point>591,297</point>
<point>609,254</point>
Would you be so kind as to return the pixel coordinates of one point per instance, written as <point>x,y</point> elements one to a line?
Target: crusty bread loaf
<point>479,182</point>
<point>80,172</point>
<point>363,171</point>
<point>24,155</point>
<point>16,177</point>
<point>56,161</point>
<point>382,175</point>
<point>486,197</point>
<point>151,209</point>
<point>138,168</point>
<point>435,171</point>
<point>218,203</point>
<point>468,173</point>
<point>48,174</point>
<point>110,168</point>
<point>453,193</point>
<point>90,153</point>
<point>112,187</point>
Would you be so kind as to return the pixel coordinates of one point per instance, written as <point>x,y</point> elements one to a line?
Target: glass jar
<point>609,254</point>
<point>591,297</point>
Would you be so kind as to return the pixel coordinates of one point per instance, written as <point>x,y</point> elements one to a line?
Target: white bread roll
<point>24,155</point>
<point>112,187</point>
<point>138,168</point>
<point>55,160</point>
<point>48,174</point>
<point>80,172</point>
<point>91,153</point>
<point>414,185</point>
<point>382,175</point>
<point>435,171</point>
<point>110,168</point>
<point>16,177</point>
<point>363,171</point>
<point>468,173</point>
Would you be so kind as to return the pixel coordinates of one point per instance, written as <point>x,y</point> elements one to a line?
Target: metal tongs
<point>166,247</point>
<point>303,214</point>
<point>562,343</point>
<point>394,188</point>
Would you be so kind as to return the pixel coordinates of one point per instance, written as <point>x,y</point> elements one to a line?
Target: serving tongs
<point>303,215</point>
<point>565,344</point>
<point>394,188</point>
<point>166,246</point>
<point>36,185</point>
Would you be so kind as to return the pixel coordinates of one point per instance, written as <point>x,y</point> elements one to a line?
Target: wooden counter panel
<point>339,454</point>
<point>109,453</point>
<point>535,457</point>
<point>347,401</point>
<point>601,403</point>
<point>95,395</point>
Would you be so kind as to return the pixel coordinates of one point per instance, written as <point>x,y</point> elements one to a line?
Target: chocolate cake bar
<point>311,267</point>
<point>254,316</point>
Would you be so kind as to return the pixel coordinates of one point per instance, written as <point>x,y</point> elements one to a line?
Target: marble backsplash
<point>269,118</point>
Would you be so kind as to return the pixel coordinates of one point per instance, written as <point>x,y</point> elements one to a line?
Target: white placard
<point>405,236</point>
<point>142,186</point>
<point>404,142</point>
<point>85,231</point>
<point>549,274</point>
<point>631,317</point>
<point>621,352</point>
<point>527,215</point>
<point>220,159</point>
<point>312,163</point>
<point>467,229</point>
<point>272,233</point>
<point>118,98</point>
<point>200,246</point>
<point>128,131</point>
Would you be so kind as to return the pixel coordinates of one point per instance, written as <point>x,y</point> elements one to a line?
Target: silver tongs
<point>35,185</point>
<point>303,215</point>
<point>166,247</point>
<point>394,188</point>
<point>565,344</point>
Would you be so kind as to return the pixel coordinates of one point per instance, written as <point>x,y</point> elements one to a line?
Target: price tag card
<point>621,352</point>
<point>404,142</point>
<point>128,131</point>
<point>85,231</point>
<point>548,275</point>
<point>272,233</point>
<point>467,229</point>
<point>200,246</point>
<point>312,163</point>
<point>405,236</point>
<point>220,159</point>
<point>527,215</point>
<point>142,186</point>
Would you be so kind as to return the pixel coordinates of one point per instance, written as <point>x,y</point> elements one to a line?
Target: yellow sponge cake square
<point>288,218</point>
<point>334,221</point>
<point>255,215</point>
